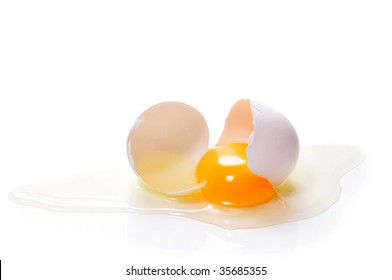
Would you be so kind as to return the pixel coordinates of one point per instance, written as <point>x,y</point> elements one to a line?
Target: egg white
<point>312,188</point>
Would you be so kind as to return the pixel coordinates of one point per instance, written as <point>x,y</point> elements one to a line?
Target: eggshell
<point>273,147</point>
<point>165,145</point>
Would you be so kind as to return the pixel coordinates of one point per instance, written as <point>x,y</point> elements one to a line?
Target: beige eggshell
<point>165,145</point>
<point>273,145</point>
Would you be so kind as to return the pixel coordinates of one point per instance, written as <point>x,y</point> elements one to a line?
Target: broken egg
<point>254,176</point>
<point>258,149</point>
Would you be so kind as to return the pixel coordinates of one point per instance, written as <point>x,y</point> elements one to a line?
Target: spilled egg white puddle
<point>311,189</point>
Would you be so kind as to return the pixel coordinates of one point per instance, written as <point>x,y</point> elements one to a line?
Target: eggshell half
<point>273,145</point>
<point>165,145</point>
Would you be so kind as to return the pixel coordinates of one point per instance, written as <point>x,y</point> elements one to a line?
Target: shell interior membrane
<point>239,124</point>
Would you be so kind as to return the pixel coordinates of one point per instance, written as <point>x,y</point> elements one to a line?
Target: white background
<point>74,75</point>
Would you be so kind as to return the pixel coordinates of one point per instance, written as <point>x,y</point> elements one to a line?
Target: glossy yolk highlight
<point>228,181</point>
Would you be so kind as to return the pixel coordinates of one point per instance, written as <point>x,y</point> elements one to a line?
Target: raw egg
<point>258,149</point>
<point>254,176</point>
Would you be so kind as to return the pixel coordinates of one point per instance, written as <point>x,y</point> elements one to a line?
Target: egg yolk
<point>228,180</point>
